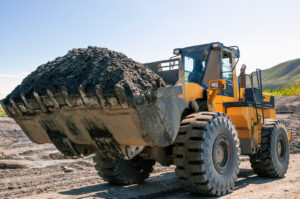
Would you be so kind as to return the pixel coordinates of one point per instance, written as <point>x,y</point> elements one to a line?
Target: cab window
<point>227,73</point>
<point>194,68</point>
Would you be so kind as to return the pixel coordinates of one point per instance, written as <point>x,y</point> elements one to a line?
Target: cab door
<point>227,73</point>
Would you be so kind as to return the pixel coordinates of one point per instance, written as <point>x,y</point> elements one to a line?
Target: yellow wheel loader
<point>202,123</point>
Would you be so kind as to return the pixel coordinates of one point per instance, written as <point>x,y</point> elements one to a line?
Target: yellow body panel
<point>244,117</point>
<point>241,117</point>
<point>192,92</point>
<point>267,97</point>
<point>270,113</point>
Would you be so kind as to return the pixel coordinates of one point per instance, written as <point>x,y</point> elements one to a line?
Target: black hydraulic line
<point>255,106</point>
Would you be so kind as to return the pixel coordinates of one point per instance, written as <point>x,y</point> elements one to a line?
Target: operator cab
<point>207,62</point>
<point>200,64</point>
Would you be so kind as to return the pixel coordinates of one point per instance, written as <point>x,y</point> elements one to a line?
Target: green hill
<point>283,75</point>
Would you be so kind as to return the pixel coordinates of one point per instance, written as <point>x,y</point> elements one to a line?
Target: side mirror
<point>218,84</point>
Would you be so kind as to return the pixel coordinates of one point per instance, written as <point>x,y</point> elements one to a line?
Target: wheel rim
<point>281,148</point>
<point>221,153</point>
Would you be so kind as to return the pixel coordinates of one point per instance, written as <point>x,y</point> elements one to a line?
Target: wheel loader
<point>201,123</point>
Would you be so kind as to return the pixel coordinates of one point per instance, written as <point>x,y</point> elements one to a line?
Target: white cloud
<point>9,81</point>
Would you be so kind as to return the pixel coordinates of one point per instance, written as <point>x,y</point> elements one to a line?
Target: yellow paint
<point>242,94</point>
<point>211,94</point>
<point>244,118</point>
<point>241,117</point>
<point>269,113</point>
<point>192,92</point>
<point>267,97</point>
<point>289,134</point>
<point>213,91</point>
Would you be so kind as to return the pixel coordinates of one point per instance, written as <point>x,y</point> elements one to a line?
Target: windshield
<point>194,67</point>
<point>194,60</point>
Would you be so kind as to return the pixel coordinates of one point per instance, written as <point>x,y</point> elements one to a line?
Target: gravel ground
<point>289,109</point>
<point>29,170</point>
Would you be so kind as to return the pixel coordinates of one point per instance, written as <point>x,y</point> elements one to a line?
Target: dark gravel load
<point>90,67</point>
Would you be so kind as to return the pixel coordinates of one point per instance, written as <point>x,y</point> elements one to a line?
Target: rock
<point>67,169</point>
<point>11,166</point>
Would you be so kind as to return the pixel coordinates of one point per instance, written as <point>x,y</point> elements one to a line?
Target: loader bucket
<point>113,123</point>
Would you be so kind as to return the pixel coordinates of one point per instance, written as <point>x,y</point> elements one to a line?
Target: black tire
<point>196,160</point>
<point>273,158</point>
<point>123,172</point>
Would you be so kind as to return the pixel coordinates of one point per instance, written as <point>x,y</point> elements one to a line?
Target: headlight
<point>215,45</point>
<point>176,51</point>
<point>214,85</point>
<point>217,84</point>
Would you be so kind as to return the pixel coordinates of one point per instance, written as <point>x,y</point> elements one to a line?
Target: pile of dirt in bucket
<point>89,67</point>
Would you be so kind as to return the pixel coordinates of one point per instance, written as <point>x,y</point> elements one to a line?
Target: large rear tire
<point>273,158</point>
<point>124,172</point>
<point>207,153</point>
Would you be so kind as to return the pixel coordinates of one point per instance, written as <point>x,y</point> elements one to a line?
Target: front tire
<point>273,158</point>
<point>207,153</point>
<point>123,172</point>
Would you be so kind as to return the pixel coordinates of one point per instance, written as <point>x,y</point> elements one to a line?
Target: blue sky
<point>33,32</point>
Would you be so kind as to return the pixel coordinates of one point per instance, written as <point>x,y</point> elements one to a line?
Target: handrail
<point>254,96</point>
<point>258,73</point>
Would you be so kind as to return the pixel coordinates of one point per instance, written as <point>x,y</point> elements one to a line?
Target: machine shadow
<point>160,183</point>
<point>247,177</point>
<point>155,186</point>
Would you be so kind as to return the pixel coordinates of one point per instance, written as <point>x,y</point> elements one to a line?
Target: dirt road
<point>165,185</point>
<point>28,170</point>
<point>77,179</point>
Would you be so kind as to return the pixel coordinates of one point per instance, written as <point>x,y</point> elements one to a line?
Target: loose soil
<point>29,170</point>
<point>89,67</point>
<point>288,110</point>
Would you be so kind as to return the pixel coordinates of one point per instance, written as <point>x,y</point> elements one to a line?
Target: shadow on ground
<point>157,186</point>
<point>247,177</point>
<point>154,186</point>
